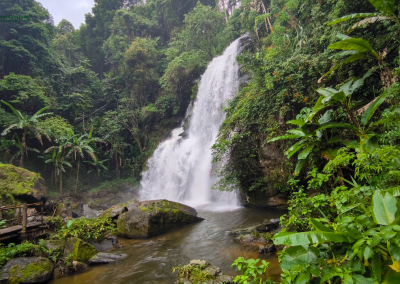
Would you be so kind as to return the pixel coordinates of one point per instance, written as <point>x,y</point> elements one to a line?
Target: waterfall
<point>181,169</point>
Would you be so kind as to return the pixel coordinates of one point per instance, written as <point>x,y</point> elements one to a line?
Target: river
<point>151,260</point>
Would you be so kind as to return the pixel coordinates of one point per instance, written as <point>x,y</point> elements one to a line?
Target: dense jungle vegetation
<point>83,106</point>
<point>317,123</point>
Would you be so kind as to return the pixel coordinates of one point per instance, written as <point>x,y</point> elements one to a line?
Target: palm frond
<point>5,131</point>
<point>367,21</point>
<point>16,112</point>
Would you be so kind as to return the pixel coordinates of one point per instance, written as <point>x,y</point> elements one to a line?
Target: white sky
<point>71,10</point>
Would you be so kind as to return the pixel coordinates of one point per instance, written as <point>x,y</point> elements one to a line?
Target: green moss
<point>82,251</point>
<point>16,181</point>
<point>26,274</point>
<point>37,268</point>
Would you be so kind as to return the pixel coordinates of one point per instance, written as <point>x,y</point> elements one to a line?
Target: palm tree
<point>15,142</point>
<point>27,123</point>
<point>78,146</point>
<point>98,167</point>
<point>57,161</point>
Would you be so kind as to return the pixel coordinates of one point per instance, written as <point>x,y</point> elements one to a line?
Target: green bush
<point>89,230</point>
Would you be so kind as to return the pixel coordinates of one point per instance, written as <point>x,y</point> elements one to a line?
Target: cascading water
<point>181,169</point>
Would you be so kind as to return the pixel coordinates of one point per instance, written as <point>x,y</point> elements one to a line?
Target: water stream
<point>151,260</point>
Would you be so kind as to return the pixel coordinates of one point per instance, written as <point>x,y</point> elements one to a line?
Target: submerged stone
<point>27,270</point>
<point>154,217</point>
<point>103,257</point>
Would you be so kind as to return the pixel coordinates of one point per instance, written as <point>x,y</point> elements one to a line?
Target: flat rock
<point>103,257</point>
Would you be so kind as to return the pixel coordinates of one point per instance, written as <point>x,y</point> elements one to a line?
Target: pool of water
<point>151,260</point>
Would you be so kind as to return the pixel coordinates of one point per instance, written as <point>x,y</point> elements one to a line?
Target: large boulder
<point>78,250</point>
<point>154,217</point>
<point>118,209</point>
<point>27,270</point>
<point>22,184</point>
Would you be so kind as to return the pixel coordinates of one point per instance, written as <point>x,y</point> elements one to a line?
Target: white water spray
<point>181,169</point>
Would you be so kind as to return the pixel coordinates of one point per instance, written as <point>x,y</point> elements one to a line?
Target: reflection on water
<point>151,260</point>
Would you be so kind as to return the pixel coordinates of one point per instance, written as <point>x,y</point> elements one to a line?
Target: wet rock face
<point>27,270</point>
<point>201,271</point>
<point>258,236</point>
<point>154,217</point>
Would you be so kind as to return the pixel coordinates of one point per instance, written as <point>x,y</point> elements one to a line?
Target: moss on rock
<point>79,250</point>
<point>19,182</point>
<point>154,217</point>
<point>28,270</point>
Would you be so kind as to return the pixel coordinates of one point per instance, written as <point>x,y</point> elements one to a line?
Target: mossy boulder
<point>116,210</point>
<point>78,250</point>
<point>22,184</point>
<point>201,271</point>
<point>27,270</point>
<point>154,217</point>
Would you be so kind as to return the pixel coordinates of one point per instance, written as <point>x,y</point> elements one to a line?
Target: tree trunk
<point>77,176</point>
<point>21,161</point>
<point>61,183</point>
<point>117,165</point>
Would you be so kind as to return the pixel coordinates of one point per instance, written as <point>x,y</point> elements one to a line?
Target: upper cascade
<point>181,169</point>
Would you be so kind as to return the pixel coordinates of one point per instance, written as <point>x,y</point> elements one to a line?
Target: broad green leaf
<point>319,226</point>
<point>354,144</point>
<point>286,136</point>
<point>295,148</point>
<point>297,255</point>
<point>359,279</point>
<point>386,7</point>
<point>302,278</point>
<point>394,252</point>
<point>339,97</point>
<point>306,238</point>
<point>297,131</point>
<point>299,166</point>
<point>326,117</point>
<point>372,144</point>
<point>304,154</point>
<point>360,82</point>
<point>391,277</point>
<point>371,110</point>
<point>352,16</point>
<point>357,44</point>
<point>296,122</point>
<point>394,191</point>
<point>337,125</point>
<point>384,209</point>
<point>376,267</point>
